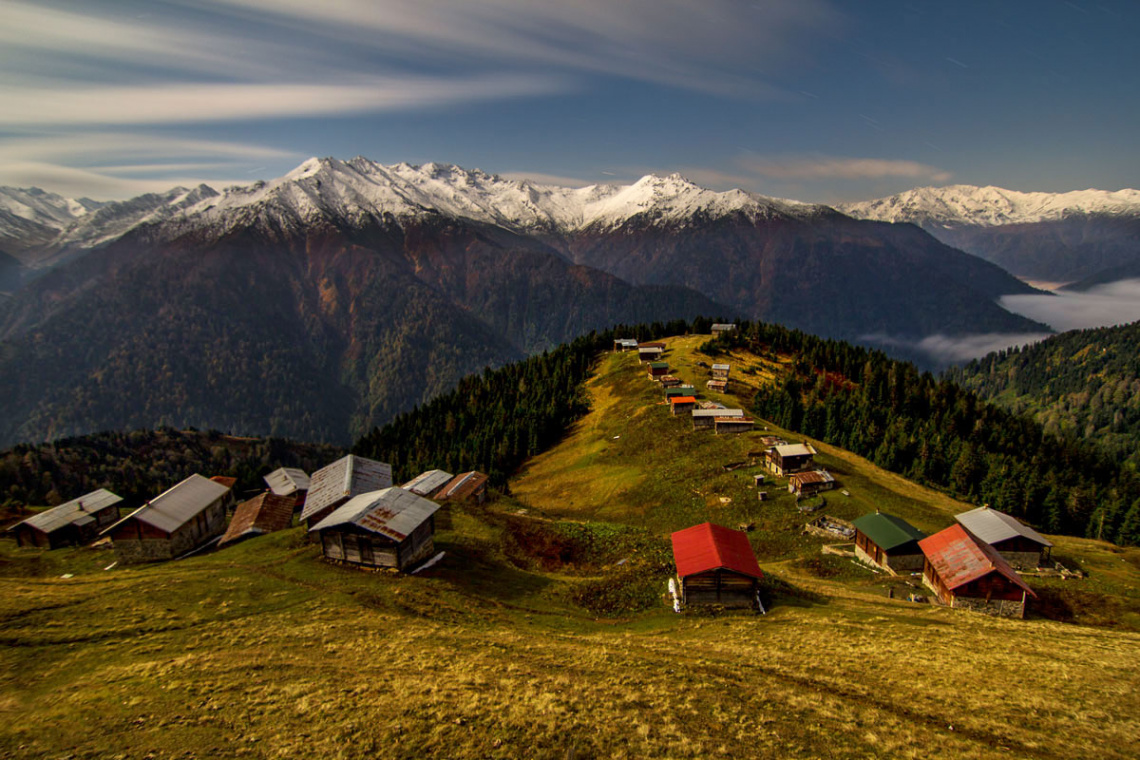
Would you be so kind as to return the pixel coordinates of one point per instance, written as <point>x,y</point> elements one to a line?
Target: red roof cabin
<point>682,404</point>
<point>716,566</point>
<point>964,571</point>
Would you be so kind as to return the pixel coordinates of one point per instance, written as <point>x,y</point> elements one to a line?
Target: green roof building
<point>888,542</point>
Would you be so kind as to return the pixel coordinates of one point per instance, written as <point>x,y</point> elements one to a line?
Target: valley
<point>543,631</point>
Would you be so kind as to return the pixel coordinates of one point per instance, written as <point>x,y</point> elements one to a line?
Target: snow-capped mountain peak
<point>957,205</point>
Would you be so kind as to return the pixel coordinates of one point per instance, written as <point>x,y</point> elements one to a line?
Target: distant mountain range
<point>323,302</point>
<point>1052,237</point>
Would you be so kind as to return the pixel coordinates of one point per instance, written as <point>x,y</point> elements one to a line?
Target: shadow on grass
<point>775,591</point>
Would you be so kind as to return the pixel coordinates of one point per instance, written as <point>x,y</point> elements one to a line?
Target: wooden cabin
<point>467,486</point>
<point>731,425</point>
<point>784,459</point>
<point>811,482</point>
<point>265,513</point>
<point>648,352</point>
<point>289,481</point>
<point>73,523</point>
<point>888,542</point>
<point>658,370</point>
<point>964,571</point>
<point>706,418</point>
<point>625,344</point>
<point>716,565</point>
<point>682,404</point>
<point>720,371</point>
<point>1020,546</point>
<point>228,482</point>
<point>669,381</point>
<point>720,328</point>
<point>427,484</point>
<point>717,386</point>
<point>681,390</point>
<point>334,484</point>
<point>176,522</point>
<point>386,528</point>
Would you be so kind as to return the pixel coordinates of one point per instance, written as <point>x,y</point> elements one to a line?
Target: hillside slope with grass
<point>543,632</point>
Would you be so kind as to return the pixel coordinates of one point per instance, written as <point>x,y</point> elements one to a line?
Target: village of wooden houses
<point>351,508</point>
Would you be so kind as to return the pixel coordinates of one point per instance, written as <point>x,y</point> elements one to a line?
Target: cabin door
<point>366,552</point>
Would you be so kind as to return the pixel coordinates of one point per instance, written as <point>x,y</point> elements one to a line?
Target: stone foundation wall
<point>907,563</point>
<point>1022,560</point>
<point>995,607</point>
<point>134,551</point>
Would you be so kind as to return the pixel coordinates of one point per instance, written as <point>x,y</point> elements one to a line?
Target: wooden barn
<point>720,328</point>
<point>811,482</point>
<point>180,520</point>
<point>74,523</point>
<point>720,371</point>
<point>265,513</point>
<point>682,404</point>
<point>715,565</point>
<point>717,386</point>
<point>386,528</point>
<point>706,418</point>
<point>1020,546</point>
<point>648,352</point>
<point>336,483</point>
<point>784,459</point>
<point>732,425</point>
<point>888,542</point>
<point>625,344</point>
<point>966,572</point>
<point>289,481</point>
<point>427,484</point>
<point>467,486</point>
<point>658,370</point>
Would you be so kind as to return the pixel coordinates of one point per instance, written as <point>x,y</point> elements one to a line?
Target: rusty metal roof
<point>462,486</point>
<point>959,558</point>
<point>286,481</point>
<point>225,480</point>
<point>177,506</point>
<point>346,477</point>
<point>265,513</point>
<point>654,344</point>
<point>993,526</point>
<point>391,512</point>
<point>427,483</point>
<point>813,476</point>
<point>72,512</point>
<point>707,546</point>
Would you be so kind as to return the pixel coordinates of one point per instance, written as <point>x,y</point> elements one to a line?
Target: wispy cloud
<point>539,178</point>
<point>836,167</point>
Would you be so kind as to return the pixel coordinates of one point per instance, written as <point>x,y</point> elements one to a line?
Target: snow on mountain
<point>44,208</point>
<point>114,219</point>
<point>959,205</point>
<point>359,190</point>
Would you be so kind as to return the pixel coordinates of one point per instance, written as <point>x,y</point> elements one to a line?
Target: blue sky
<point>812,99</point>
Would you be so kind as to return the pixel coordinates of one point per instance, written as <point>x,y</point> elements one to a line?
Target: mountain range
<point>321,303</point>
<point>1086,235</point>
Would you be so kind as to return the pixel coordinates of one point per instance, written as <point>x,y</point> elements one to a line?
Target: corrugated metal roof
<point>462,485</point>
<point>659,365</point>
<point>959,558</point>
<point>724,367</point>
<point>265,513</point>
<point>682,400</point>
<point>716,385</point>
<point>723,326</point>
<point>72,512</point>
<point>347,476</point>
<point>993,526</point>
<point>887,531</point>
<point>814,476</point>
<point>719,413</point>
<point>794,450</point>
<point>177,506</point>
<point>286,481</point>
<point>626,342</point>
<point>427,483</point>
<point>391,512</point>
<point>707,546</point>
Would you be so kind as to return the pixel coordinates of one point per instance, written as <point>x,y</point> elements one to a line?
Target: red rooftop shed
<point>716,566</point>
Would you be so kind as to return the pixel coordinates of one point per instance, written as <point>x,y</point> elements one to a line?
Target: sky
<point>818,100</point>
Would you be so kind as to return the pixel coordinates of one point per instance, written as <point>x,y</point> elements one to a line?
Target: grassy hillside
<point>533,638</point>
